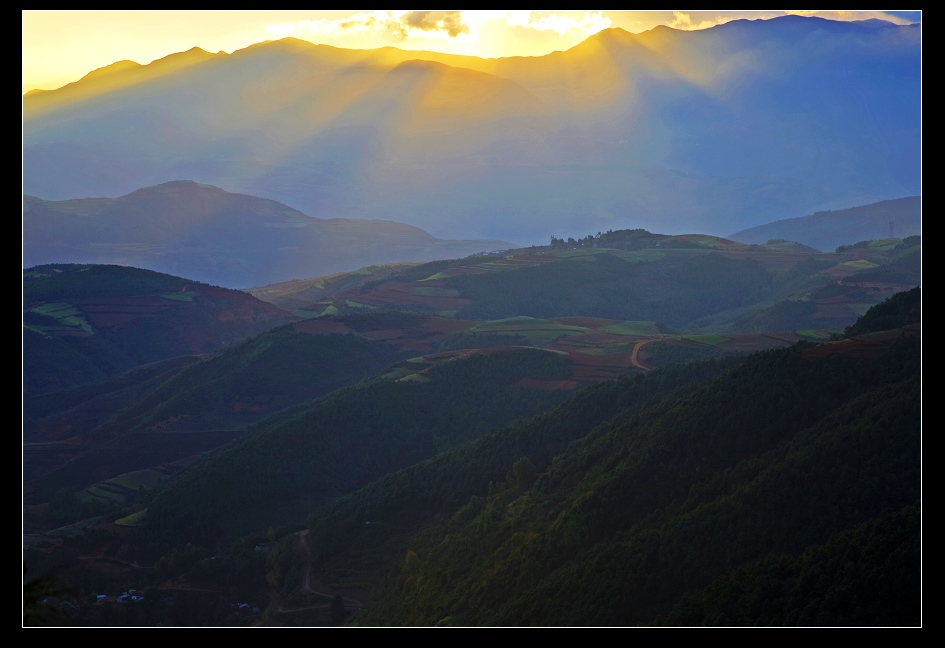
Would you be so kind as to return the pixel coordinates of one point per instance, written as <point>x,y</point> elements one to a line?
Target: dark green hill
<point>692,283</point>
<point>732,502</point>
<point>673,289</point>
<point>897,311</point>
<point>341,442</point>
<point>85,322</point>
<point>400,503</point>
<point>776,457</point>
<point>139,422</point>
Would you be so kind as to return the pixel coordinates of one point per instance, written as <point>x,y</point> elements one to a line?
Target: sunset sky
<point>62,46</point>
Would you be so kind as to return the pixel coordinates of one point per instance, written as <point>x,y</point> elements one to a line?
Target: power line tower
<point>891,230</point>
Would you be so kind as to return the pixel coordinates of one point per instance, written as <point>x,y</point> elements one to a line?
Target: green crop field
<point>66,314</point>
<point>55,309</point>
<point>135,519</point>
<point>119,489</point>
<point>539,332</point>
<point>414,378</point>
<point>884,244</point>
<point>133,480</point>
<point>814,334</point>
<point>632,328</point>
<point>859,264</point>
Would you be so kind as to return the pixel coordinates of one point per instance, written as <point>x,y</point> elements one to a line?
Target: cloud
<point>559,23</point>
<point>450,22</point>
<point>401,24</point>
<point>450,25</point>
<point>684,22</point>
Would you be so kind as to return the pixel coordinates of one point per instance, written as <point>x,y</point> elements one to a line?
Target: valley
<point>623,334</point>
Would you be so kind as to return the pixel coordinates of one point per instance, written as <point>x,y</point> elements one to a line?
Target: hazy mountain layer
<point>223,238</point>
<point>712,131</point>
<point>828,230</point>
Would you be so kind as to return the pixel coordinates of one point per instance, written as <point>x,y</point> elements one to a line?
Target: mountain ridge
<point>711,131</point>
<point>233,240</point>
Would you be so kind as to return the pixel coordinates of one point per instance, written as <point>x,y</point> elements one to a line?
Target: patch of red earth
<point>119,311</point>
<point>112,320</point>
<point>869,345</point>
<point>597,338</point>
<point>838,271</point>
<point>786,336</point>
<point>384,334</point>
<point>881,286</point>
<point>588,368</point>
<point>445,325</point>
<point>547,385</point>
<point>418,346</point>
<point>382,298</point>
<point>466,353</point>
<point>120,303</point>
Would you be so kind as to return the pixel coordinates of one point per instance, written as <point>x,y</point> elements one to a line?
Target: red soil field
<point>869,345</point>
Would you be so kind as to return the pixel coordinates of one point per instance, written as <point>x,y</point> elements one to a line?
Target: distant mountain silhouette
<point>232,240</point>
<point>828,230</point>
<point>711,131</point>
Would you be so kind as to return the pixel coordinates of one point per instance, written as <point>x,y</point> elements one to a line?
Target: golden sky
<point>62,46</point>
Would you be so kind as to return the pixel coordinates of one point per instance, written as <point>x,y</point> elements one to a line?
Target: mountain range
<point>217,237</point>
<point>709,131</point>
<point>828,230</point>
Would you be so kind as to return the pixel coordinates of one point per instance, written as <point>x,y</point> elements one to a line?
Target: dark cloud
<point>449,21</point>
<point>359,21</point>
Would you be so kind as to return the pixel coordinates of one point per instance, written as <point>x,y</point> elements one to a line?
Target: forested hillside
<point>730,502</point>
<point>781,456</point>
<point>480,487</point>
